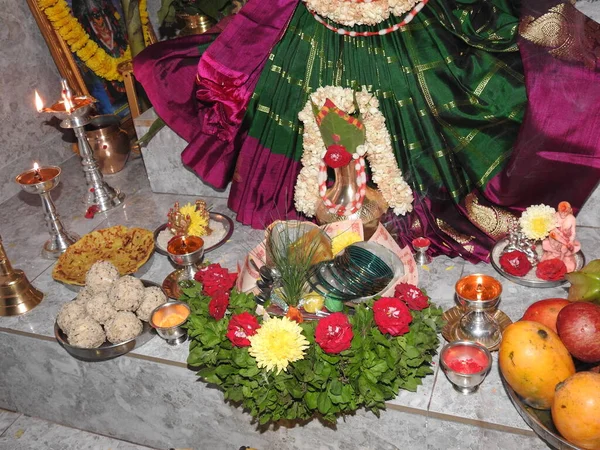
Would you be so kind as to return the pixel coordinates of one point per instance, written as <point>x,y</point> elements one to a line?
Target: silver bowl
<point>465,382</point>
<point>106,350</point>
<point>175,334</point>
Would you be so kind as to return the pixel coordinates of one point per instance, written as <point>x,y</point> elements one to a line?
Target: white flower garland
<point>377,148</point>
<point>359,12</point>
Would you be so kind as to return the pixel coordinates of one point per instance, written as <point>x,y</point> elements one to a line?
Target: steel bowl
<point>107,350</point>
<point>174,334</point>
<point>465,382</point>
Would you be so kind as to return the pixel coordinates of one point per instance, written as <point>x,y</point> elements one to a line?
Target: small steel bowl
<point>464,380</point>
<point>174,334</point>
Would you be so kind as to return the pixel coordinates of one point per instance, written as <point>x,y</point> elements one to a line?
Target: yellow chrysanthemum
<point>537,221</point>
<point>277,343</point>
<point>198,223</point>
<point>343,240</point>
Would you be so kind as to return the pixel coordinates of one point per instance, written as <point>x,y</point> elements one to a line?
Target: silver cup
<point>167,328</point>
<point>186,251</point>
<point>462,378</point>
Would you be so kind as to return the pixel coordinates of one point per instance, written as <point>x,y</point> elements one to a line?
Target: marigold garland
<point>70,30</point>
<point>145,19</point>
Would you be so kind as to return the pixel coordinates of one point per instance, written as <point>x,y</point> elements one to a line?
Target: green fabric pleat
<point>449,84</point>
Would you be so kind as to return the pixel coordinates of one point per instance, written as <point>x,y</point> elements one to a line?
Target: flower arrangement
<point>359,12</point>
<point>279,369</point>
<point>376,146</point>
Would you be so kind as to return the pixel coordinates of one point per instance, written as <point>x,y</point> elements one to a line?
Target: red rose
<point>218,305</point>
<point>515,263</point>
<point>240,327</point>
<point>551,270</point>
<point>412,296</point>
<point>337,156</point>
<point>392,316</point>
<point>334,333</point>
<point>215,278</point>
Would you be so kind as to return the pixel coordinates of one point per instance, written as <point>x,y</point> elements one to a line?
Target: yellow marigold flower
<point>537,221</point>
<point>343,240</point>
<point>43,4</point>
<point>277,343</point>
<point>198,223</point>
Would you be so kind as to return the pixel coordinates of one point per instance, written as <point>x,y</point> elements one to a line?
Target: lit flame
<point>36,167</point>
<point>39,103</point>
<point>67,102</point>
<point>479,283</point>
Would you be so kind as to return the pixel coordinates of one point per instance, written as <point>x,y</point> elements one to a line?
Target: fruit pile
<point>538,358</point>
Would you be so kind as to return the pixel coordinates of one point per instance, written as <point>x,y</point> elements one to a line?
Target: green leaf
<point>349,135</point>
<point>209,338</point>
<point>234,394</point>
<point>224,370</point>
<point>335,387</point>
<point>209,374</point>
<point>250,372</point>
<point>191,288</point>
<point>323,403</point>
<point>310,398</point>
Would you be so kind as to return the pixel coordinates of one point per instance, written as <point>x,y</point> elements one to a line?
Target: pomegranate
<point>578,326</point>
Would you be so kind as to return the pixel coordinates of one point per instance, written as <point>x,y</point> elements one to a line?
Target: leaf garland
<point>371,371</point>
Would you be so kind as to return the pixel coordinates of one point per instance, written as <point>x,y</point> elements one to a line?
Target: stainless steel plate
<point>540,421</point>
<point>216,217</point>
<point>107,350</point>
<point>530,279</point>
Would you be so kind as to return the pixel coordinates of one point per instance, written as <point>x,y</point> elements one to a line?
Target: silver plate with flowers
<point>221,225</point>
<point>530,279</point>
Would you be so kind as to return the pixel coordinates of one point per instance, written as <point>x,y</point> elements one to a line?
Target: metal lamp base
<point>58,244</point>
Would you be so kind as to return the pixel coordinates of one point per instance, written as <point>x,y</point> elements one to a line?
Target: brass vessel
<point>195,24</point>
<point>343,192</point>
<point>109,142</point>
<point>17,295</point>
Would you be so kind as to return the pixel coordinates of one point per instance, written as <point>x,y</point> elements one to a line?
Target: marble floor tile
<point>7,418</point>
<point>28,433</point>
<point>490,404</point>
<point>457,436</point>
<point>590,212</point>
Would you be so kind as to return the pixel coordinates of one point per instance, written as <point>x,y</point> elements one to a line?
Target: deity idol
<point>561,243</point>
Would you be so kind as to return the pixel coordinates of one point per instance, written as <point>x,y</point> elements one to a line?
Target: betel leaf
<point>340,130</point>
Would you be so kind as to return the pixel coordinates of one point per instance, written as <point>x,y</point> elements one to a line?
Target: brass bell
<point>17,295</point>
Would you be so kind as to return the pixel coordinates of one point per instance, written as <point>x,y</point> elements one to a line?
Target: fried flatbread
<point>127,248</point>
